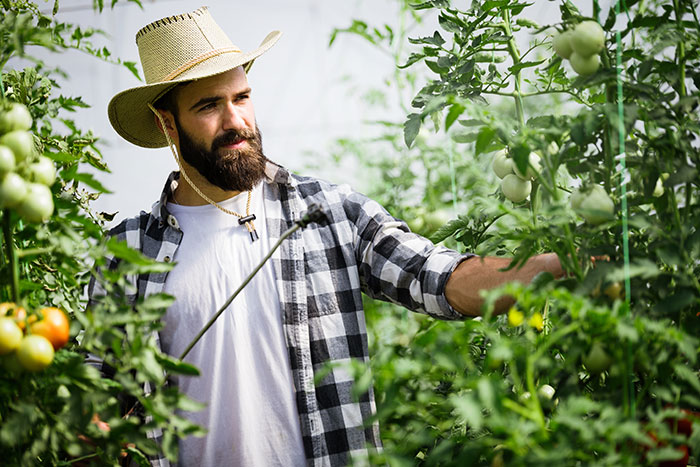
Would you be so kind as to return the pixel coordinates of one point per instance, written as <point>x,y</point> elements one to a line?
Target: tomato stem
<point>627,389</point>
<point>11,255</point>
<point>681,50</point>
<point>534,399</point>
<point>682,91</point>
<point>573,253</point>
<point>515,55</point>
<point>608,129</point>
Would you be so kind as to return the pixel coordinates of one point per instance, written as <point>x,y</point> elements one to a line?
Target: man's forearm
<point>463,289</point>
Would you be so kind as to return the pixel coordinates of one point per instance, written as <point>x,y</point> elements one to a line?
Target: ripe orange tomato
<point>54,326</point>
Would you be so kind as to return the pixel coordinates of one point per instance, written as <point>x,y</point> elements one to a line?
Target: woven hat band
<point>197,60</point>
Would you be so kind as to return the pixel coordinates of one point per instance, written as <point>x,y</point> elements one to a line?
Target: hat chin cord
<point>247,220</point>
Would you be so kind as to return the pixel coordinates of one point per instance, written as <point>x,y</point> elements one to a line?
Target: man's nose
<point>233,118</point>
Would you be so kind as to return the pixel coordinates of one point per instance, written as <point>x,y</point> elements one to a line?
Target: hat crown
<point>176,42</point>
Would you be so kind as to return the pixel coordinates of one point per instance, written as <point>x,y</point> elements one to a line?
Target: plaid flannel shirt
<point>321,271</point>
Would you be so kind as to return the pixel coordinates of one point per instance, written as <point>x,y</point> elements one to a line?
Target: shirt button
<point>167,259</point>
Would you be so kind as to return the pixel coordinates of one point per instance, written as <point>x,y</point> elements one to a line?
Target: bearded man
<point>217,218</point>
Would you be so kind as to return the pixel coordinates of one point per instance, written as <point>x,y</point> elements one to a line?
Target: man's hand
<point>463,289</point>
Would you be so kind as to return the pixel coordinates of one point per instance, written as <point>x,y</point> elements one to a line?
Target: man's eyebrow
<point>205,100</point>
<point>211,99</point>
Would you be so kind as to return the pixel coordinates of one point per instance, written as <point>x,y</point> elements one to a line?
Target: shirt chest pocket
<point>332,280</point>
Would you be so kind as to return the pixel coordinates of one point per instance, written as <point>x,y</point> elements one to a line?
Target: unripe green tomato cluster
<point>29,342</point>
<point>515,185</point>
<point>25,177</point>
<point>581,46</point>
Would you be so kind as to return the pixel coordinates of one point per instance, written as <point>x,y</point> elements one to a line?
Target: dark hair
<point>168,100</point>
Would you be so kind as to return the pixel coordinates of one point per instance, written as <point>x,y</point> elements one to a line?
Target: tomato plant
<point>618,340</point>
<point>52,383</point>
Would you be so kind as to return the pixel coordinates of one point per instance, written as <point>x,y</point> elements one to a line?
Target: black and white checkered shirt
<point>321,272</point>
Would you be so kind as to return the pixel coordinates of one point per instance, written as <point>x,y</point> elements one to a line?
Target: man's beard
<point>232,169</point>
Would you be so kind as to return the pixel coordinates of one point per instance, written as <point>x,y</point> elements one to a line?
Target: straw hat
<point>174,50</point>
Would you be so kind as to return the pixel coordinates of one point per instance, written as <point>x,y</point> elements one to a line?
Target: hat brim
<point>129,113</point>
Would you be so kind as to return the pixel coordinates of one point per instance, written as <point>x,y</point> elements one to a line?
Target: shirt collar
<point>274,173</point>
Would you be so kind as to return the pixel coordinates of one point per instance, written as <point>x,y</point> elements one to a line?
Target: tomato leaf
<point>411,128</point>
<point>455,111</point>
<point>174,366</point>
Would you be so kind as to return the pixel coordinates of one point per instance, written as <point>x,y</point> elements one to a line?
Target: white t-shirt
<point>245,380</point>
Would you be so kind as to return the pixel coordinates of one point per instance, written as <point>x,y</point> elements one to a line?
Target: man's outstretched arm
<point>483,273</point>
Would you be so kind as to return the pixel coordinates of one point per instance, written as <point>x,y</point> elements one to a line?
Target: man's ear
<point>169,120</point>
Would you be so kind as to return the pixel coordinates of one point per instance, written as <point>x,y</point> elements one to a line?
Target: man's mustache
<point>232,136</point>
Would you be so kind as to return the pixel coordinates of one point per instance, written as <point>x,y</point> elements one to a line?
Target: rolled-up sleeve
<point>400,266</point>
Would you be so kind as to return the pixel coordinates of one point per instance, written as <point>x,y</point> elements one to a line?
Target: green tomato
<point>546,392</point>
<point>502,165</point>
<point>584,66</point>
<point>20,142</point>
<point>533,167</point>
<point>7,160</point>
<point>43,171</point>
<point>614,291</point>
<point>594,204</point>
<point>16,118</point>
<point>576,198</point>
<point>37,206</point>
<point>561,43</point>
<point>13,189</point>
<point>588,39</point>
<point>597,359</point>
<point>515,188</point>
<point>10,335</point>
<point>35,352</point>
